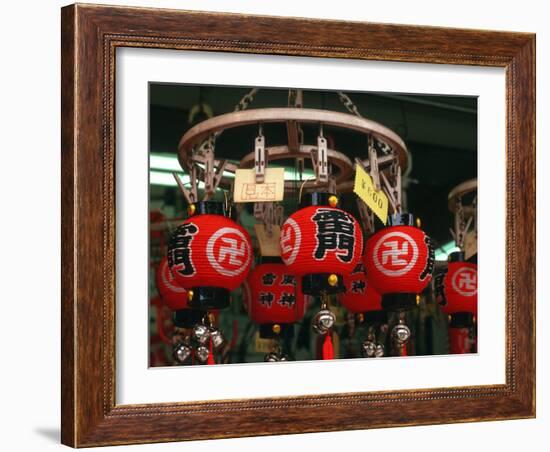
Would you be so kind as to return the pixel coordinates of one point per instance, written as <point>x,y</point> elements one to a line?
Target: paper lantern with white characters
<point>209,255</point>
<point>399,261</point>
<point>321,243</point>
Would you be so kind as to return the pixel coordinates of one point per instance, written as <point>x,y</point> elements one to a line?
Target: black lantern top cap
<point>209,207</point>
<point>401,219</point>
<point>457,256</point>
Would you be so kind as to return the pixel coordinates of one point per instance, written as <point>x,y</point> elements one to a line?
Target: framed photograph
<point>268,231</point>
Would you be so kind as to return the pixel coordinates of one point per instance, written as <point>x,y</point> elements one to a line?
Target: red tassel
<point>328,349</point>
<point>211,354</point>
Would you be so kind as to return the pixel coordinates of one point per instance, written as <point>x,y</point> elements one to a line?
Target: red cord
<point>211,354</point>
<point>328,348</point>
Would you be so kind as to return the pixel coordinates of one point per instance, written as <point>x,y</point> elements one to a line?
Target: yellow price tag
<point>377,201</point>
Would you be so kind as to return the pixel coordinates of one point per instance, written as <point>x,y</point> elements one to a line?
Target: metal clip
<point>320,161</point>
<point>366,215</point>
<point>186,193</point>
<point>392,187</point>
<point>208,169</point>
<point>461,226</point>
<point>373,161</point>
<point>260,158</point>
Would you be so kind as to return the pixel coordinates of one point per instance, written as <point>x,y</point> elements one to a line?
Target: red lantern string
<point>210,250</point>
<point>211,354</point>
<point>328,348</point>
<point>319,239</point>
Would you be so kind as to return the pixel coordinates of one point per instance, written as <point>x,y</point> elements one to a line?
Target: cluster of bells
<point>321,245</point>
<point>197,345</point>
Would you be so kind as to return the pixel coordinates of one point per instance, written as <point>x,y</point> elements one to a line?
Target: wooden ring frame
<point>460,191</point>
<point>344,165</point>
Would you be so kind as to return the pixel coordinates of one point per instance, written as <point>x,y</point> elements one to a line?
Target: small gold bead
<point>190,295</point>
<point>333,280</point>
<point>449,318</point>
<point>191,209</point>
<point>276,328</point>
<point>333,201</point>
<point>417,299</point>
<point>418,222</point>
<point>361,317</point>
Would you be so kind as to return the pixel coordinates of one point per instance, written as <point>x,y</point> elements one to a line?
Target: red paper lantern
<point>209,255</point>
<point>399,260</point>
<point>360,296</point>
<point>271,295</point>
<point>172,294</point>
<point>321,240</point>
<point>460,288</point>
<point>460,341</point>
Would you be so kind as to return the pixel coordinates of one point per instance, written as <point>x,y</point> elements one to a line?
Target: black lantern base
<point>187,318</point>
<point>317,283</point>
<point>210,298</point>
<point>398,301</point>
<point>461,320</point>
<point>273,330</point>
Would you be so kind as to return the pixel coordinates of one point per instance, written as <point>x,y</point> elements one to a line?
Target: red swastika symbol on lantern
<point>395,253</point>
<point>228,251</point>
<point>291,239</point>
<point>465,281</point>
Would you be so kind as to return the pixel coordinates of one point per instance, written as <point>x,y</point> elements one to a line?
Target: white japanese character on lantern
<point>291,239</point>
<point>394,257</point>
<point>465,281</point>
<point>228,251</point>
<point>394,252</point>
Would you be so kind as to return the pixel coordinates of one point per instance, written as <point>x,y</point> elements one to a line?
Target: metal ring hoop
<point>203,130</point>
<point>458,192</point>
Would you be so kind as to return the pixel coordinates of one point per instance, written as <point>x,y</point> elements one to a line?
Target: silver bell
<point>323,321</point>
<point>202,353</point>
<point>369,348</point>
<point>401,333</point>
<point>201,333</point>
<point>181,352</point>
<point>379,351</point>
<point>217,338</point>
<point>271,357</point>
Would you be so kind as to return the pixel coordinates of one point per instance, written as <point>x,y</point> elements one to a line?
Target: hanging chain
<point>243,104</point>
<point>348,104</point>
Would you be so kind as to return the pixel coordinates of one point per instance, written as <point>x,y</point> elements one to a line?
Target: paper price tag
<point>262,345</point>
<point>247,190</point>
<point>377,201</point>
<point>269,245</point>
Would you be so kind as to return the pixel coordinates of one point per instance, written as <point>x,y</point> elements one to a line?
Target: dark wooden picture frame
<point>90,36</point>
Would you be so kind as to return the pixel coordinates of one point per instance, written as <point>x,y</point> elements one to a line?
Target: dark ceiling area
<point>440,133</point>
